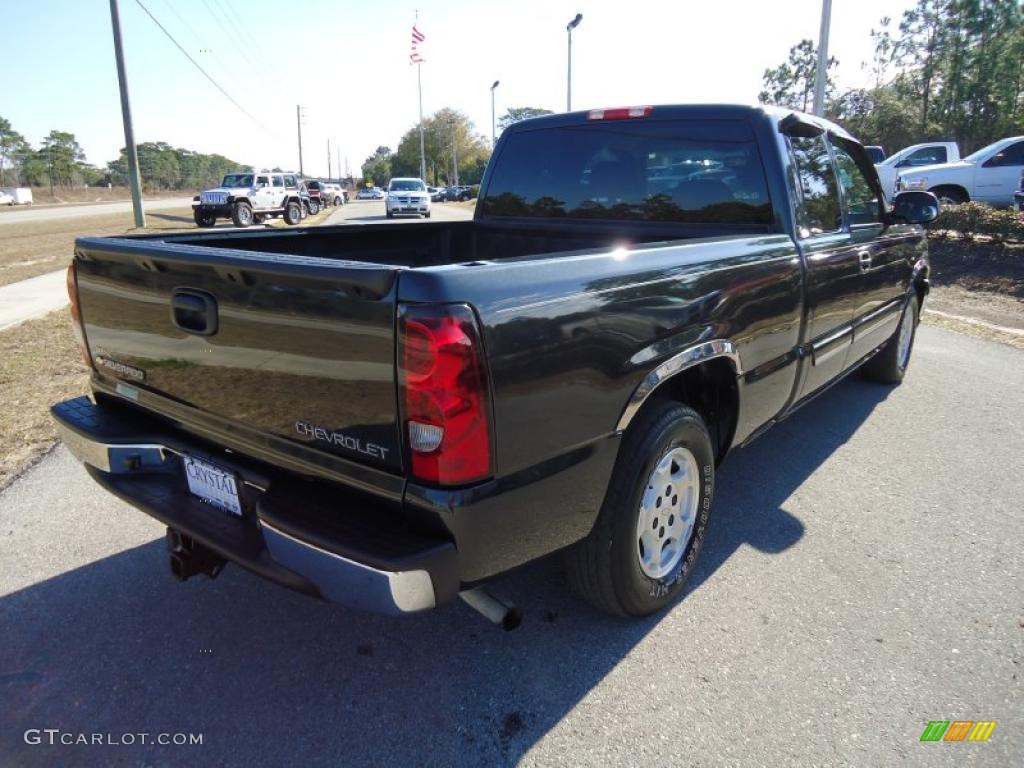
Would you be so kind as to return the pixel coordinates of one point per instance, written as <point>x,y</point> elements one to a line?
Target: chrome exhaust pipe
<point>498,611</point>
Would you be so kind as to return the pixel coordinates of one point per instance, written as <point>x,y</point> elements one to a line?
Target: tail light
<point>446,409</point>
<point>76,315</point>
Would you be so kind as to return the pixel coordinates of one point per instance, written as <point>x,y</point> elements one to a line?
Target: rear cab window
<point>687,171</point>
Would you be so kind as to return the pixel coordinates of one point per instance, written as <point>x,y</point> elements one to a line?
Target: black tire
<point>292,213</point>
<point>889,366</point>
<point>389,214</point>
<point>241,214</point>
<point>426,215</point>
<point>950,195</point>
<point>314,207</point>
<point>258,218</point>
<point>337,201</point>
<point>605,567</point>
<point>204,220</point>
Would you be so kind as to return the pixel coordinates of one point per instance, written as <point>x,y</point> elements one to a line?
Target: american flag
<point>417,38</point>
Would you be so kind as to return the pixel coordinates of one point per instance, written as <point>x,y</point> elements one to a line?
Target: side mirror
<point>915,207</point>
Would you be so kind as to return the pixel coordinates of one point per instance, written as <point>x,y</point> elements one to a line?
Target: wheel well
<point>952,187</point>
<point>710,389</point>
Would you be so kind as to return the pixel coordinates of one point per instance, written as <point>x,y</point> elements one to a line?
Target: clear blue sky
<point>60,73</point>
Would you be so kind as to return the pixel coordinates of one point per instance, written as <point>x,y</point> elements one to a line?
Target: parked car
<point>435,193</point>
<point>915,156</point>
<point>989,175</point>
<point>335,195</point>
<point>295,184</point>
<point>876,153</point>
<point>407,196</point>
<point>17,195</point>
<point>315,196</point>
<point>247,198</point>
<point>565,372</point>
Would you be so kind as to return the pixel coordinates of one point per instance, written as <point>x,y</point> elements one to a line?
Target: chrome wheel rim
<point>668,512</point>
<point>906,335</point>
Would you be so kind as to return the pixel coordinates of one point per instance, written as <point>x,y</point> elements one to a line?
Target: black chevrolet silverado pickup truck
<point>387,416</point>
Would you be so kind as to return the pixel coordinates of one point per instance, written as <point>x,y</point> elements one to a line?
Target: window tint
<point>277,181</point>
<point>289,181</point>
<point>859,199</point>
<point>692,171</point>
<point>818,207</point>
<point>1011,155</point>
<point>926,156</point>
<point>262,181</point>
<point>235,180</point>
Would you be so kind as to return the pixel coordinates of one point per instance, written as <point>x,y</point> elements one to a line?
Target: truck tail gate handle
<point>194,311</point>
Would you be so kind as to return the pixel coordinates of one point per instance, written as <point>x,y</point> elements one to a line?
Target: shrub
<point>973,219</point>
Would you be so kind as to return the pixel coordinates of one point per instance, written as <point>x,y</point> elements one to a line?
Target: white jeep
<point>248,198</point>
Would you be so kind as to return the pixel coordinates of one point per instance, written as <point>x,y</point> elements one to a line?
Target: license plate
<point>213,485</point>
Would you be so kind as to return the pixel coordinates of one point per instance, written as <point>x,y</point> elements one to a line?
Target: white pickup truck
<point>989,175</point>
<point>914,156</point>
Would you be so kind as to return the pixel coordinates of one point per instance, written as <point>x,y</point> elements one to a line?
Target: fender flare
<point>667,369</point>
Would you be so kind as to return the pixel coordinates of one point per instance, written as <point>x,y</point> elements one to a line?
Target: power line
<point>216,85</point>
<point>243,28</point>
<point>231,35</point>
<point>225,68</point>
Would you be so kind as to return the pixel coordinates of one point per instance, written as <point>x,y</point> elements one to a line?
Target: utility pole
<point>126,116</point>
<point>298,122</point>
<point>822,74</point>
<point>455,154</point>
<point>328,159</point>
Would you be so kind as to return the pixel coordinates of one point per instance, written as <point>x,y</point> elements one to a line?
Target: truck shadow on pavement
<point>275,678</point>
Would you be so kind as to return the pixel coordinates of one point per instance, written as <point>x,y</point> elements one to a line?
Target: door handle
<point>864,258</point>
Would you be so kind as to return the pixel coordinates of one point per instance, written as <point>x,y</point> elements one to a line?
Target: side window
<point>1012,155</point>
<point>859,199</point>
<point>289,181</point>
<point>262,181</point>
<point>926,156</point>
<point>818,207</point>
<point>278,181</point>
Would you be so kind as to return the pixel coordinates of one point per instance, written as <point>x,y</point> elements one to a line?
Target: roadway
<point>862,576</point>
<point>83,210</point>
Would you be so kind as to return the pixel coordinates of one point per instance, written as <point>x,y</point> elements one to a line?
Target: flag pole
<point>423,157</point>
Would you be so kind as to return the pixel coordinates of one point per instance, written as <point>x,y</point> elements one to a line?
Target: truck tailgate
<point>297,347</point>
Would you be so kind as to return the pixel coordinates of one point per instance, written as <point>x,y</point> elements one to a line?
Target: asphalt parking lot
<point>862,576</point>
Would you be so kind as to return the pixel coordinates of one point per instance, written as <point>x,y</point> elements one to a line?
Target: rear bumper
<point>361,558</point>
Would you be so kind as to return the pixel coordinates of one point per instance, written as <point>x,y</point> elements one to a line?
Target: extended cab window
<point>818,207</point>
<point>860,202</point>
<point>692,171</point>
<point>1012,155</point>
<point>925,156</point>
<point>261,181</point>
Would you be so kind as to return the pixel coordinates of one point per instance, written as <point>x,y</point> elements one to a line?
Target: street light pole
<point>568,89</point>
<point>126,116</point>
<point>822,74</point>
<point>493,134</point>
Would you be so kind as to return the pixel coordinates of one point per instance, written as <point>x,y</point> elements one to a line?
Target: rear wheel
<point>889,365</point>
<point>389,214</point>
<point>426,215</point>
<point>292,213</point>
<point>652,523</point>
<point>337,201</point>
<point>241,214</point>
<point>314,207</point>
